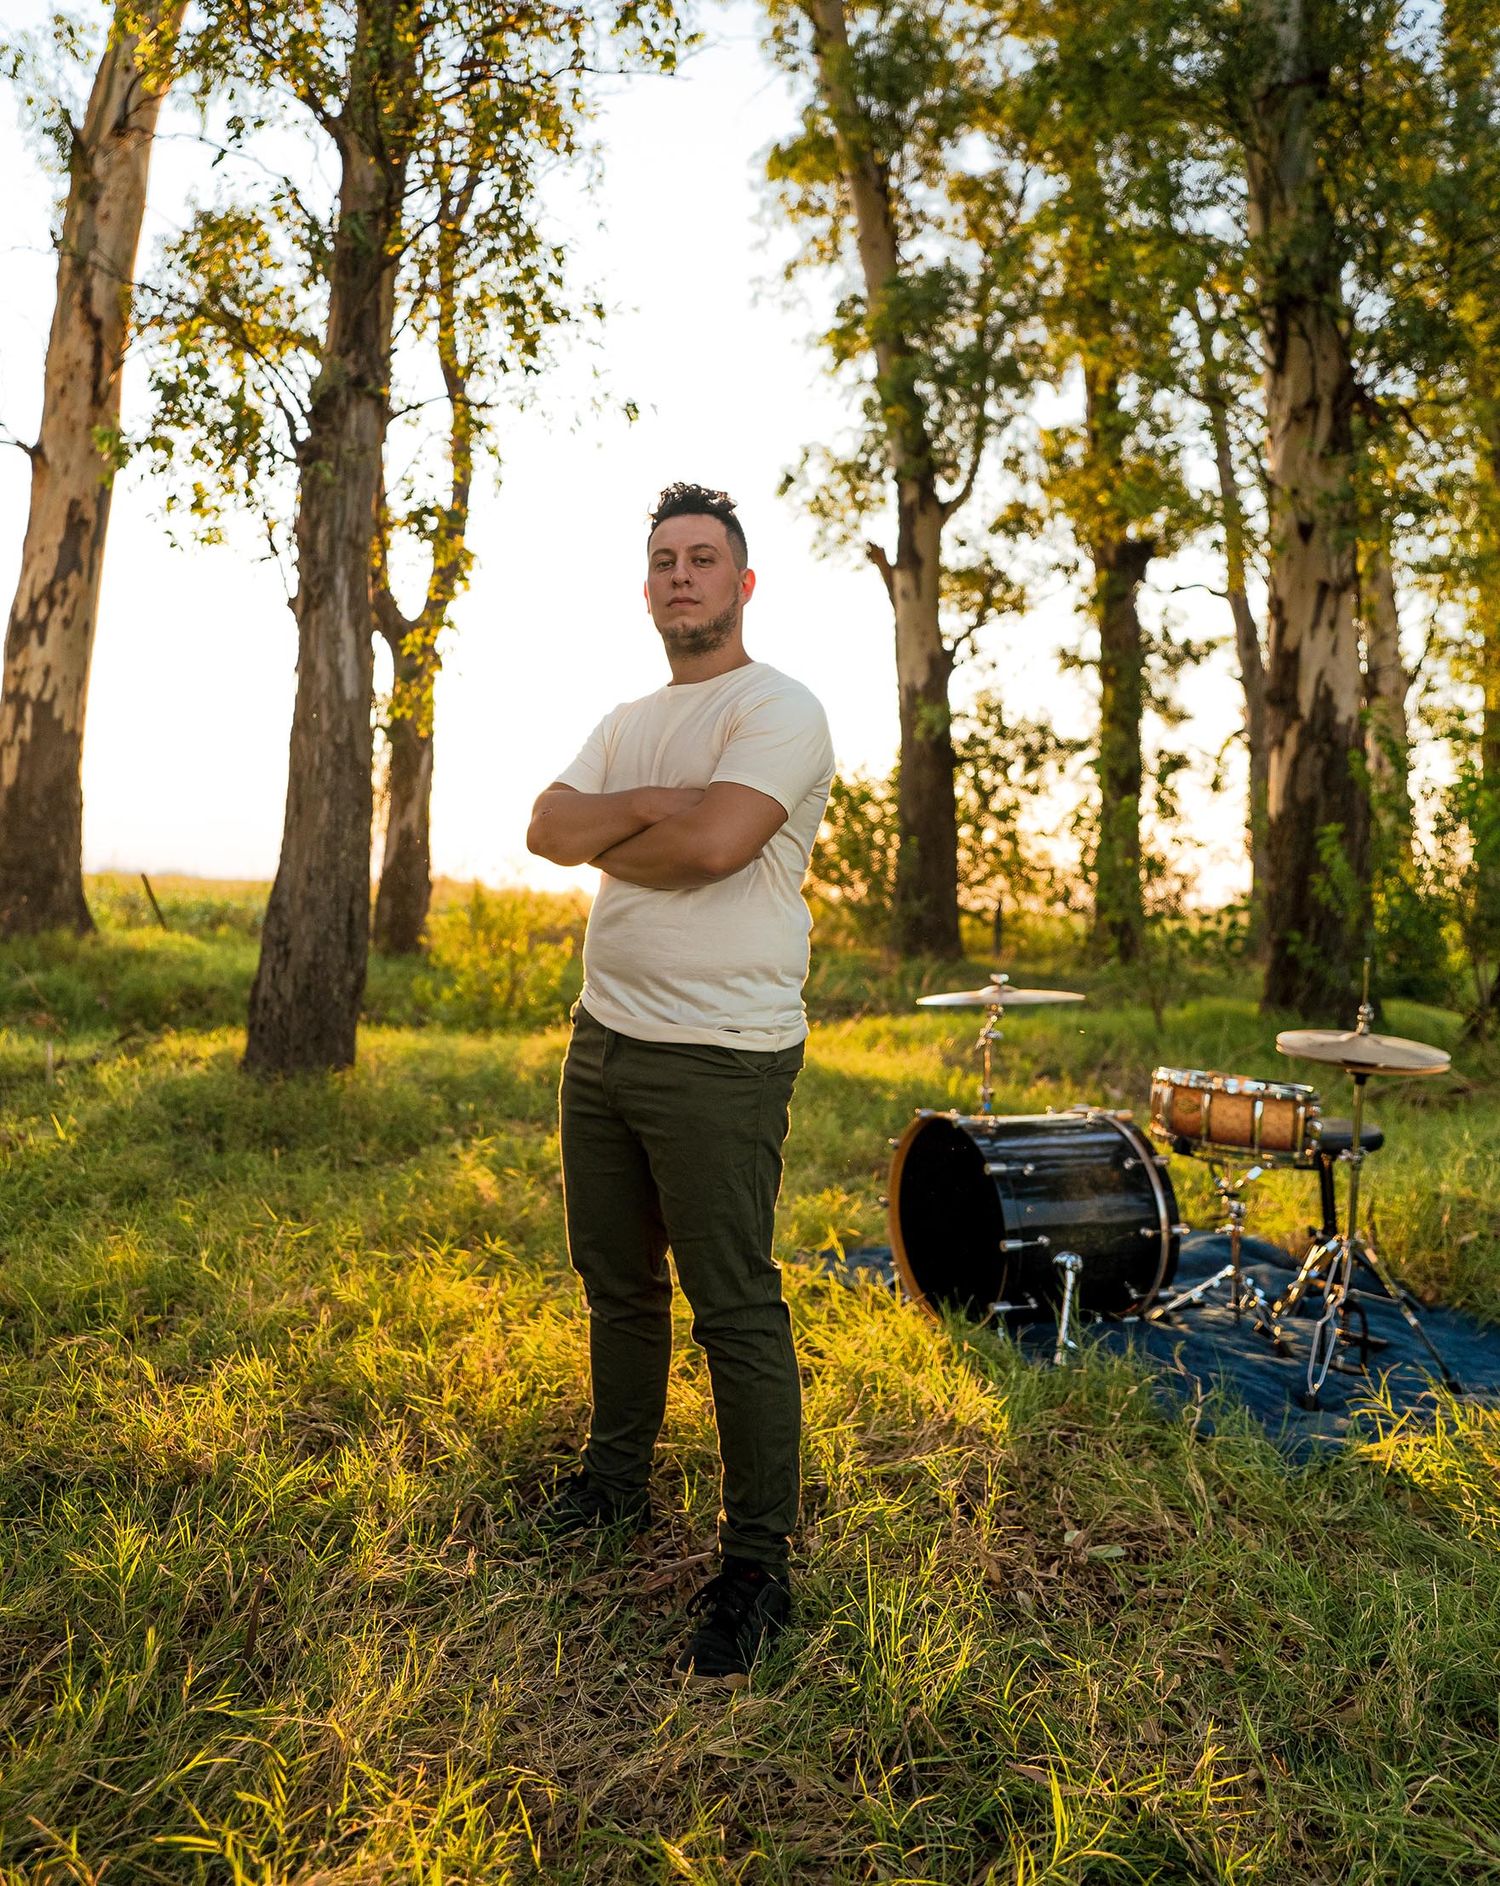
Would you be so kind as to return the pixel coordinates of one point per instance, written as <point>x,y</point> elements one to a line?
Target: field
<point>282,1367</point>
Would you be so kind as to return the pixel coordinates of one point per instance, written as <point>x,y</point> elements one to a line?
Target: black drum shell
<point>965,1187</point>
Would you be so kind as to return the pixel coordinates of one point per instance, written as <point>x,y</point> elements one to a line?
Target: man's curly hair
<point>699,501</point>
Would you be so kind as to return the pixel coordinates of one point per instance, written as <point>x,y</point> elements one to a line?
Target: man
<point>699,804</point>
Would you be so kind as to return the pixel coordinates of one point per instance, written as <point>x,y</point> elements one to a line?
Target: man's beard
<point>705,637</point>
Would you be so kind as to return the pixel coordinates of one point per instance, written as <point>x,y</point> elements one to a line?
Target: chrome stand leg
<point>1069,1263</point>
<point>1325,1335</point>
<point>1370,1258</point>
<point>1195,1295</point>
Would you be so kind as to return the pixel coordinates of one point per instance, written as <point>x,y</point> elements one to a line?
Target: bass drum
<point>980,1205</point>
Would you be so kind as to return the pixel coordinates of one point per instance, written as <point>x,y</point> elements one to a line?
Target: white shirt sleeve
<point>589,771</point>
<point>780,746</point>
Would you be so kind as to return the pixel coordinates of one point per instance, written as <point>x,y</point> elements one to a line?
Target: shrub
<point>504,958</point>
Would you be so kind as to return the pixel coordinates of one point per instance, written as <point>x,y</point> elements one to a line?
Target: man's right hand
<point>571,827</point>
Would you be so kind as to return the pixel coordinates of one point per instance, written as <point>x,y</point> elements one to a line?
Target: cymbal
<point>1360,1053</point>
<point>996,995</point>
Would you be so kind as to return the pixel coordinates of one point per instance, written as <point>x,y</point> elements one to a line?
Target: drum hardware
<point>996,996</point>
<point>1070,1264</point>
<point>1331,1262</point>
<point>1025,1306</point>
<point>1244,1292</point>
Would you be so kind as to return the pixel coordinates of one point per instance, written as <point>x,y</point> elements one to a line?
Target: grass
<point>282,1365</point>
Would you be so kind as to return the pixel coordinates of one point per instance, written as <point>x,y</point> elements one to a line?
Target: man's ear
<point>646,594</point>
<point>747,585</point>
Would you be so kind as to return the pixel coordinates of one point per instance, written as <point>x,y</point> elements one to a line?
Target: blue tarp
<point>1202,1346</point>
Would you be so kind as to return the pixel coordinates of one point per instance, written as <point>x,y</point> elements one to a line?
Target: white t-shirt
<point>725,963</point>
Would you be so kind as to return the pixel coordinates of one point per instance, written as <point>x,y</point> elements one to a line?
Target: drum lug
<point>893,1144</point>
<point>992,1167</point>
<point>1131,1163</point>
<point>1025,1244</point>
<point>884,1202</point>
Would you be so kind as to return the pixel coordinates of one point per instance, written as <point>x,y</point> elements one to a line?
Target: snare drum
<point>1213,1115</point>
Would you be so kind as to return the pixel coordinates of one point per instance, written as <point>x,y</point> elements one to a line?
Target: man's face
<point>693,590</point>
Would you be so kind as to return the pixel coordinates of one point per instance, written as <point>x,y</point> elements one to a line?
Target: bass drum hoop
<point>1140,1148</point>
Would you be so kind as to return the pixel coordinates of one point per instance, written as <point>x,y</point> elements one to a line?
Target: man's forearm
<point>681,853</point>
<point>574,827</point>
<point>657,860</point>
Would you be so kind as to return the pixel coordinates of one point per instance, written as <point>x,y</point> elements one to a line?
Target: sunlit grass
<point>281,1367</point>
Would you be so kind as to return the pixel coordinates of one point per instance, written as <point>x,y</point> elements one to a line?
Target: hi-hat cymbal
<point>1360,1053</point>
<point>996,995</point>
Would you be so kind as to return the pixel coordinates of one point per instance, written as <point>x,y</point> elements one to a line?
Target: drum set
<point>1007,1217</point>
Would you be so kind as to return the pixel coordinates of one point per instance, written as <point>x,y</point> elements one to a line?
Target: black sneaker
<point>743,1609</point>
<point>578,1504</point>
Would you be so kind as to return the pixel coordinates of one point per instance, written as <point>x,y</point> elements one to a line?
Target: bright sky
<point>190,706</point>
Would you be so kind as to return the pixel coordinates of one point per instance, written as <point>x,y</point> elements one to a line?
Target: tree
<point>1317,813</point>
<point>49,641</point>
<point>885,177</point>
<point>440,114</point>
<point>1109,138</point>
<point>1221,354</point>
<point>401,903</point>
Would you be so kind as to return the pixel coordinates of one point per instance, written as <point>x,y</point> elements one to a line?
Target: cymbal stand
<point>989,1034</point>
<point>1336,1259</point>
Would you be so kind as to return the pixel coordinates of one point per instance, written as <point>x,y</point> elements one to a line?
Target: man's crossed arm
<point>666,838</point>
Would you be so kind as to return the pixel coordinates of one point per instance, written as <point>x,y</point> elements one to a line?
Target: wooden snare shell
<point>1210,1115</point>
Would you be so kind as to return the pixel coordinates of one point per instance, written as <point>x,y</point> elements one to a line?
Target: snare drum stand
<point>1241,1298</point>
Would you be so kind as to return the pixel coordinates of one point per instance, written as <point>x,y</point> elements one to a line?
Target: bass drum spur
<point>981,1205</point>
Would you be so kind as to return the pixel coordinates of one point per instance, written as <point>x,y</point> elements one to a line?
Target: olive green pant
<point>674,1145</point>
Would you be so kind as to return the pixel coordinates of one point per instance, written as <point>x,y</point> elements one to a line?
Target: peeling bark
<point>927,861</point>
<point>304,1005</point>
<point>50,637</point>
<point>1318,816</point>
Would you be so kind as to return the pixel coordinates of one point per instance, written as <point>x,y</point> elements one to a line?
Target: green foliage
<point>505,959</point>
<point>282,1367</point>
<point>852,871</point>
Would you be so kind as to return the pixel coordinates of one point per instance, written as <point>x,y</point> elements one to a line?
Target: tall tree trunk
<point>927,861</point>
<point>1318,816</point>
<point>405,892</point>
<point>1387,684</point>
<point>304,1005</point>
<point>1486,833</point>
<point>1247,645</point>
<point>1119,910</point>
<point>50,639</point>
<point>1120,564</point>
